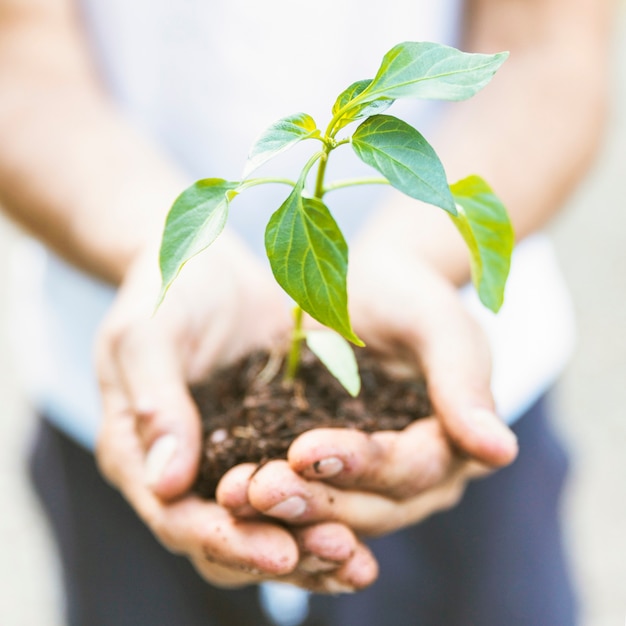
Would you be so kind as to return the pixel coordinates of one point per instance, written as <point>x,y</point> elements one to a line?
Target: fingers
<point>141,366</point>
<point>276,491</point>
<point>455,357</point>
<point>204,530</point>
<point>358,570</point>
<point>325,548</point>
<point>225,551</point>
<point>119,453</point>
<point>421,311</point>
<point>357,573</point>
<point>396,464</point>
<point>333,560</point>
<point>232,490</point>
<point>228,552</point>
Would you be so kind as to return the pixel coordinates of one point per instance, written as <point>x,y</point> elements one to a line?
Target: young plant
<point>306,249</point>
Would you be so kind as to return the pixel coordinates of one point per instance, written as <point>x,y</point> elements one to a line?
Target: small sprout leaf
<point>405,158</point>
<point>346,113</point>
<point>431,71</point>
<point>193,223</point>
<point>338,357</point>
<point>484,223</point>
<point>309,259</point>
<point>280,136</point>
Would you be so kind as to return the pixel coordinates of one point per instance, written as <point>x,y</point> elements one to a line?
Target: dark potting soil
<point>250,415</point>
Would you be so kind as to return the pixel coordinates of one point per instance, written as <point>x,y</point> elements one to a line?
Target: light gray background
<point>591,241</point>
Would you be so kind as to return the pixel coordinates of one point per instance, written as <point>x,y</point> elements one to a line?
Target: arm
<point>72,171</point>
<point>75,174</point>
<point>532,134</point>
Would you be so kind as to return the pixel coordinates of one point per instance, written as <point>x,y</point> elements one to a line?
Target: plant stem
<point>353,182</point>
<point>253,182</point>
<point>297,336</point>
<point>321,170</point>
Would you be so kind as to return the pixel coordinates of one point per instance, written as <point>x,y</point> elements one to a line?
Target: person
<point>108,110</point>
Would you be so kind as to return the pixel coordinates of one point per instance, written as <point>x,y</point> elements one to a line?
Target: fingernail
<point>313,564</point>
<point>325,468</point>
<point>289,508</point>
<point>158,458</point>
<point>334,586</point>
<point>486,423</point>
<point>246,510</point>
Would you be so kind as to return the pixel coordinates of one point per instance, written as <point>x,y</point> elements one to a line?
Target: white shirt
<point>203,78</point>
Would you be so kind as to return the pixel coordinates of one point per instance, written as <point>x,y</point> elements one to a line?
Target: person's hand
<point>387,480</point>
<point>222,306</point>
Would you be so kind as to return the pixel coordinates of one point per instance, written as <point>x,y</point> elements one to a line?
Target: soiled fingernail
<point>313,564</point>
<point>334,586</point>
<point>326,468</point>
<point>158,458</point>
<point>245,510</point>
<point>289,508</point>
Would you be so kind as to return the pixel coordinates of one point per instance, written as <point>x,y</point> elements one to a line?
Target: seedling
<point>306,249</point>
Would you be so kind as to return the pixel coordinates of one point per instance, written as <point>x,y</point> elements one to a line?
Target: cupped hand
<point>222,306</point>
<point>380,482</point>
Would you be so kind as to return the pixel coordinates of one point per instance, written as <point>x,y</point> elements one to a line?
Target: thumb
<point>167,419</point>
<point>456,357</point>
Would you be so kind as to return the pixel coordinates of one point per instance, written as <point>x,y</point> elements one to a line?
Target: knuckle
<point>146,421</point>
<point>106,462</point>
<point>122,338</point>
<point>118,336</point>
<point>220,576</point>
<point>476,470</point>
<point>164,534</point>
<point>103,353</point>
<point>453,495</point>
<point>109,335</point>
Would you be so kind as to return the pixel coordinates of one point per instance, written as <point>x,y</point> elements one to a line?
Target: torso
<point>203,78</point>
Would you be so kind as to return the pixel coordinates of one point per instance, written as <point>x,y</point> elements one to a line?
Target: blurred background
<point>591,243</point>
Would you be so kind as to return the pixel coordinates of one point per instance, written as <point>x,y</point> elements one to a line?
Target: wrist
<point>109,247</point>
<point>424,234</point>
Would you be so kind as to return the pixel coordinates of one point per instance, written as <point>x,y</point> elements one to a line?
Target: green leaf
<point>347,113</point>
<point>193,223</point>
<point>431,71</point>
<point>405,158</point>
<point>309,259</point>
<point>338,357</point>
<point>483,222</point>
<point>280,136</point>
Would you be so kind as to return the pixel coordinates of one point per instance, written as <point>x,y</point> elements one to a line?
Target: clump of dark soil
<point>250,415</point>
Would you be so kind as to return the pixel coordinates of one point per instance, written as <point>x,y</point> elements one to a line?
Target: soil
<point>250,415</point>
